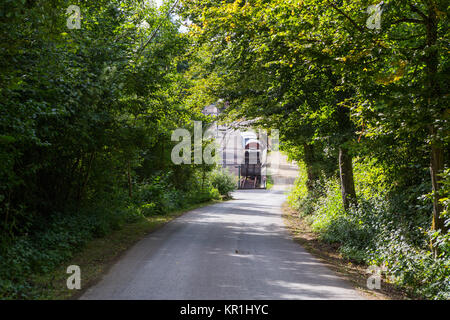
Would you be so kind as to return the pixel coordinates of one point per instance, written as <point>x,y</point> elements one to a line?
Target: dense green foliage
<point>364,109</point>
<point>86,117</point>
<point>386,228</point>
<point>58,238</point>
<point>224,182</point>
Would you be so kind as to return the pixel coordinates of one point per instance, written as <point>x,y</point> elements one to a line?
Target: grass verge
<point>100,254</point>
<point>356,274</point>
<point>269,182</point>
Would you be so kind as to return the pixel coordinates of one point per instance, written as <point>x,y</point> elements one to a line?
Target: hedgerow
<point>384,229</point>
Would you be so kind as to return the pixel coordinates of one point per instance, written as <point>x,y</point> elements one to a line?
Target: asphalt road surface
<point>237,249</point>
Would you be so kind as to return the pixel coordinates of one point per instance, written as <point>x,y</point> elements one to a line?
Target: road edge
<point>354,274</point>
<point>98,256</point>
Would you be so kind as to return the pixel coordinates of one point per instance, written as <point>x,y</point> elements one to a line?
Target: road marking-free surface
<point>237,249</point>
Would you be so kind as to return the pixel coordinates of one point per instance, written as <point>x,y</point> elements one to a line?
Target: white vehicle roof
<point>248,134</point>
<point>253,141</point>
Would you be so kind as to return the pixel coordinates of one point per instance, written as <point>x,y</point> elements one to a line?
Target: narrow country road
<point>237,249</point>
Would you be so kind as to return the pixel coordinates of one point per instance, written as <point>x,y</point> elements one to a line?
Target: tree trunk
<point>130,186</point>
<point>346,176</point>
<point>309,162</point>
<point>436,167</point>
<point>345,159</point>
<point>433,91</point>
<point>83,185</point>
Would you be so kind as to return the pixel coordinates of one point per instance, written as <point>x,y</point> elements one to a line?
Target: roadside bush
<point>153,196</point>
<point>302,199</point>
<point>55,239</point>
<point>328,208</point>
<point>160,197</point>
<point>47,248</point>
<point>223,181</point>
<point>196,197</point>
<point>299,198</point>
